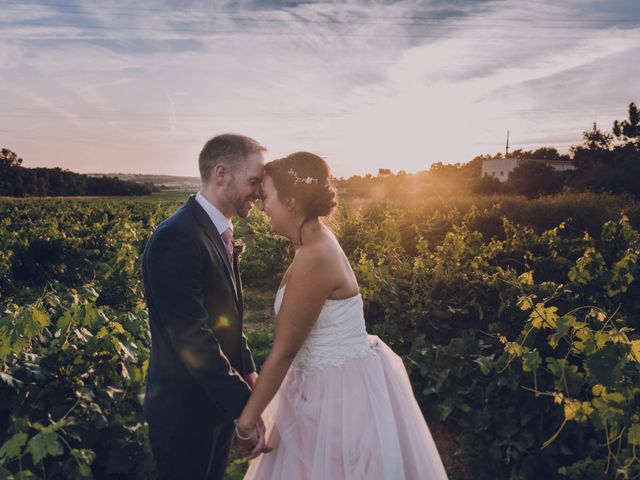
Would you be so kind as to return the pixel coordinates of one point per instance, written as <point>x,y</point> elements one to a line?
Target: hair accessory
<point>297,179</point>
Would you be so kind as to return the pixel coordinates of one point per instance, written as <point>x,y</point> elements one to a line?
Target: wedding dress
<point>345,409</point>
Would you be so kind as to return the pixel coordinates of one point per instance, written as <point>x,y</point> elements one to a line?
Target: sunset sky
<point>139,86</point>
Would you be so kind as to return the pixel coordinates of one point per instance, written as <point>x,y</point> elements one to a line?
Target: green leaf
<point>577,410</point>
<point>66,319</point>
<point>45,443</point>
<point>634,434</point>
<point>91,315</point>
<point>573,378</point>
<point>12,448</point>
<point>531,361</point>
<point>615,397</point>
<point>603,365</point>
<point>602,338</point>
<point>526,279</point>
<point>542,316</point>
<point>635,351</point>
<point>9,380</point>
<point>85,458</point>
<point>563,323</point>
<point>525,303</point>
<point>554,339</point>
<point>6,474</point>
<point>41,318</point>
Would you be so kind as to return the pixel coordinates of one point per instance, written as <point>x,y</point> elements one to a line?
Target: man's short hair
<point>228,148</point>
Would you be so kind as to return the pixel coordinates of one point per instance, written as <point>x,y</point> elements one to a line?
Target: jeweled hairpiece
<point>297,179</point>
<point>305,180</point>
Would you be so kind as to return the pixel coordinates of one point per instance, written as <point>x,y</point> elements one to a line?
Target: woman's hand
<point>253,441</point>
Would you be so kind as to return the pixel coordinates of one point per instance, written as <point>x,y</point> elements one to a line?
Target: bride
<point>336,402</point>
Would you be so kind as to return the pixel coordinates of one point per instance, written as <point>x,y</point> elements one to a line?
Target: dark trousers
<point>191,454</point>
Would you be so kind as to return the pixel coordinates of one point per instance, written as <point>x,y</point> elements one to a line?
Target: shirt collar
<point>219,220</point>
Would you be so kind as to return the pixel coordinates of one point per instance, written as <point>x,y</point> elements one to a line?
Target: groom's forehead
<point>254,165</point>
<point>250,170</point>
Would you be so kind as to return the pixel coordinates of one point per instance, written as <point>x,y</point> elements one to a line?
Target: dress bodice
<point>339,333</point>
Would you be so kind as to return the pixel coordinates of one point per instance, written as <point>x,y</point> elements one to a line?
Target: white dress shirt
<point>219,220</point>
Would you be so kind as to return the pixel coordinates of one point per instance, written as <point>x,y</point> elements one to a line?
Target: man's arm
<point>173,265</point>
<point>247,358</point>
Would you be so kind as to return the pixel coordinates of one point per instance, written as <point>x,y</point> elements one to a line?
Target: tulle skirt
<point>357,420</point>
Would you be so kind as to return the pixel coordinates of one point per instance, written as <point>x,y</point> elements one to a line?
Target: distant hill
<point>162,182</point>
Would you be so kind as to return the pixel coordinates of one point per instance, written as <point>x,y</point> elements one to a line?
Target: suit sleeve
<point>249,364</point>
<point>173,265</point>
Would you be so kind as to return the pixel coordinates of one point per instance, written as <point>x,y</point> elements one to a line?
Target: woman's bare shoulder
<point>324,248</point>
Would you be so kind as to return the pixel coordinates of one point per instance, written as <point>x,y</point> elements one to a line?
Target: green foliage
<point>260,342</point>
<point>73,339</point>
<point>463,307</point>
<point>236,469</point>
<point>533,179</point>
<point>73,374</point>
<point>487,185</point>
<point>588,356</point>
<point>267,255</point>
<point>516,320</point>
<point>629,130</point>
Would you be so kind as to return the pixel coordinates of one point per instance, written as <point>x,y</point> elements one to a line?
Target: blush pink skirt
<point>354,420</point>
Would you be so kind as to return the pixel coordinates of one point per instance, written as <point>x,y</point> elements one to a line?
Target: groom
<point>200,370</point>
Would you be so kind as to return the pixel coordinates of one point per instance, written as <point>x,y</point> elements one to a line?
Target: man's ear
<point>291,204</point>
<point>220,172</point>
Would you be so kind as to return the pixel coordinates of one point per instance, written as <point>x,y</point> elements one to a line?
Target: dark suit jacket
<point>199,357</point>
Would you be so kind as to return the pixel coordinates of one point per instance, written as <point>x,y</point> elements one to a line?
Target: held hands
<point>251,441</point>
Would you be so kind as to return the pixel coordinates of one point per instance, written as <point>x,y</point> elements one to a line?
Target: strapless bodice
<point>339,333</point>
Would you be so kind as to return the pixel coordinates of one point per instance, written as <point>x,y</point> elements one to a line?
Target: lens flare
<point>223,322</point>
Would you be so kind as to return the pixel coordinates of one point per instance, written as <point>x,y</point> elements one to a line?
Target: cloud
<point>140,86</point>
<point>171,113</point>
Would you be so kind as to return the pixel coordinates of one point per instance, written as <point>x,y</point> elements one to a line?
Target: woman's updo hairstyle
<point>306,178</point>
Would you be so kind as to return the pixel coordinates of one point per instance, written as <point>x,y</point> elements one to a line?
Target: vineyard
<point>516,319</point>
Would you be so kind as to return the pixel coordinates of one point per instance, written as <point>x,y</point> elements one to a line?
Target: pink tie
<point>227,237</point>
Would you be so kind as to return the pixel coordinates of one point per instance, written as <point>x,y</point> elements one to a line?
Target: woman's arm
<point>308,286</point>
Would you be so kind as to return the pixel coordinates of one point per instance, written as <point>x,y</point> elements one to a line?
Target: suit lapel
<point>211,232</point>
<point>236,271</point>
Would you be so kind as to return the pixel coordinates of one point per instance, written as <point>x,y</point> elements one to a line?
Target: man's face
<point>244,185</point>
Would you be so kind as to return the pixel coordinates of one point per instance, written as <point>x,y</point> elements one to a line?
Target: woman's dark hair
<point>306,178</point>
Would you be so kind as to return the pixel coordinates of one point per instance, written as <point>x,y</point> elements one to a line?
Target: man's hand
<point>251,379</point>
<point>261,446</point>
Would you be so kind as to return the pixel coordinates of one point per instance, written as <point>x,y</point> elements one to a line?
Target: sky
<point>139,86</point>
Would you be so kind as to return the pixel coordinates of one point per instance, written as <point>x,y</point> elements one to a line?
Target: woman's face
<point>280,216</point>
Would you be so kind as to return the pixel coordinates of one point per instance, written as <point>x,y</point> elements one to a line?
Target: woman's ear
<point>291,205</point>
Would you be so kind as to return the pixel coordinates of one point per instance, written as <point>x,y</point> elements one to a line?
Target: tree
<point>596,148</point>
<point>9,159</point>
<point>16,180</point>
<point>596,140</point>
<point>533,179</point>
<point>486,185</point>
<point>542,153</point>
<point>628,130</point>
<point>473,168</point>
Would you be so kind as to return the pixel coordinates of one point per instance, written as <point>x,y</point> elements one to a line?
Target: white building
<point>500,168</point>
